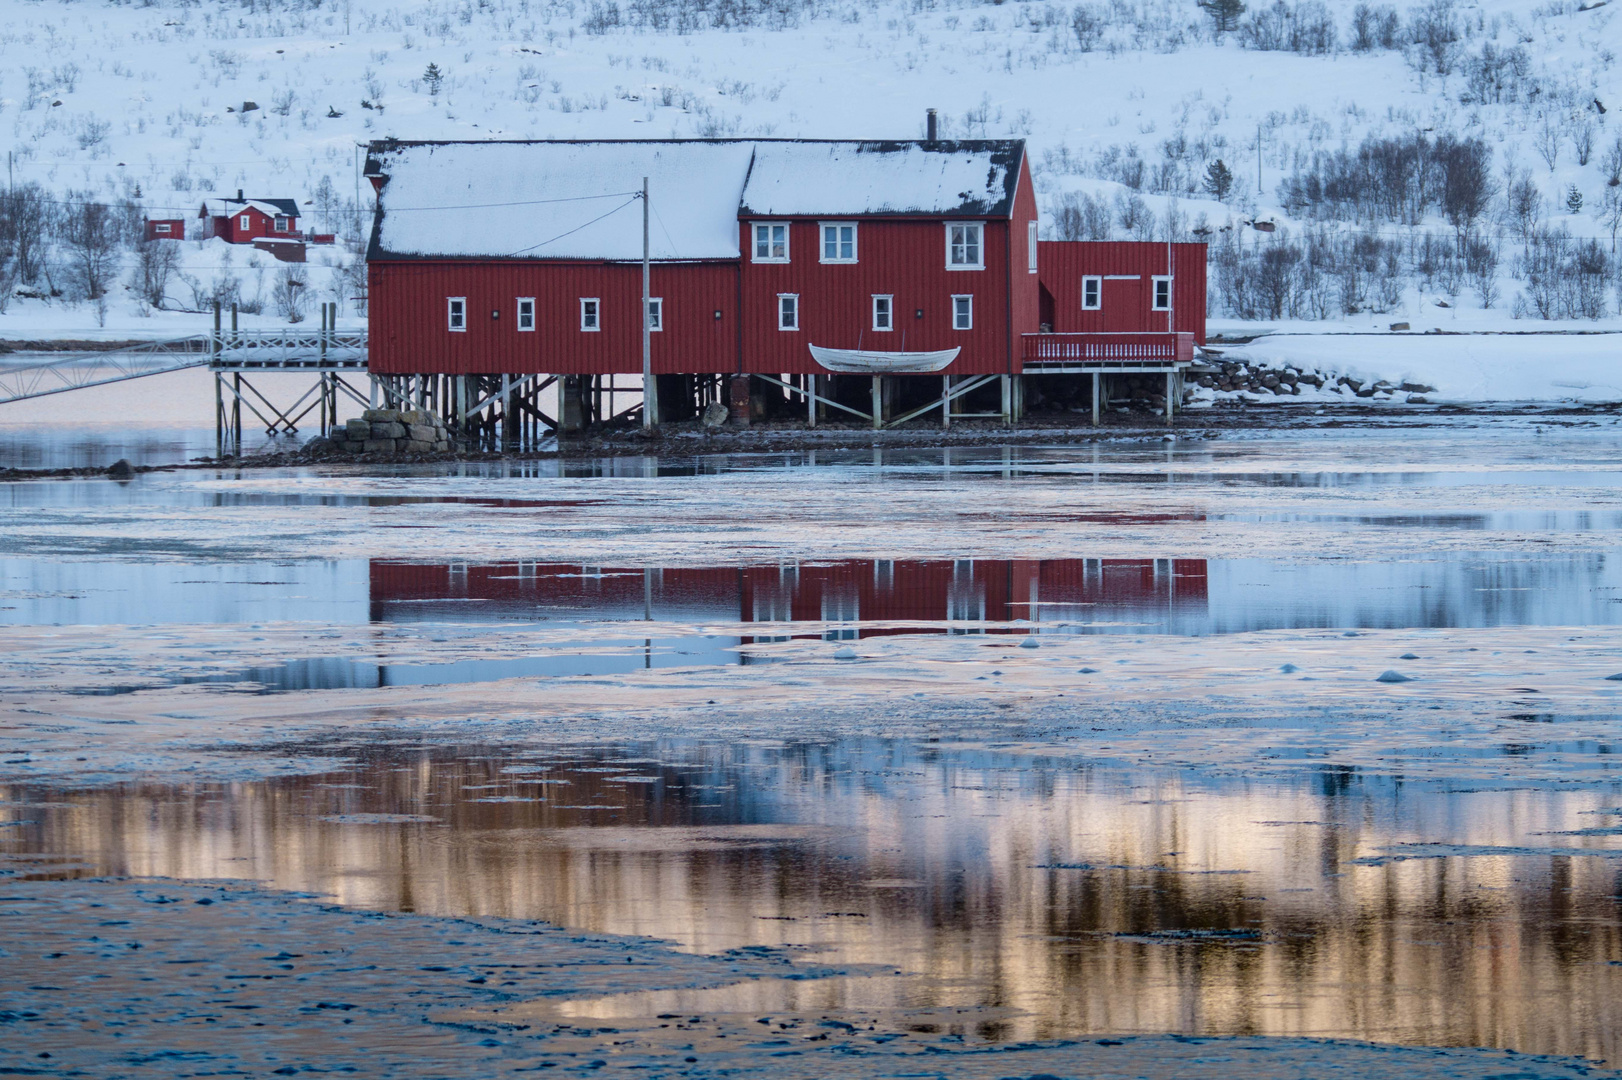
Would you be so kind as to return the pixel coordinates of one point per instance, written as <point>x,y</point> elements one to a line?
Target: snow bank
<point>1462,367</point>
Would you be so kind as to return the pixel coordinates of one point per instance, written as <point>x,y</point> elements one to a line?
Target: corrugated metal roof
<point>572,199</point>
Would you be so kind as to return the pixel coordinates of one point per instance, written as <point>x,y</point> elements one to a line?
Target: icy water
<point>1085,741</point>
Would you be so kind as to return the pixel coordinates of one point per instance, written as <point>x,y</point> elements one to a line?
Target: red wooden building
<point>242,221</point>
<point>494,261</point>
<point>164,229</point>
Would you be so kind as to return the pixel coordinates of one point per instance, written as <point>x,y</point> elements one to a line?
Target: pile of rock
<point>1233,375</point>
<point>1285,381</point>
<point>393,431</point>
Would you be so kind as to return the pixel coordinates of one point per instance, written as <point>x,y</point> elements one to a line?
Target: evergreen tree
<point>1218,180</point>
<point>1224,13</point>
<point>1574,200</point>
<point>433,77</point>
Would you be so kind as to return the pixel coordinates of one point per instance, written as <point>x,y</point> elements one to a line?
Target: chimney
<point>931,127</point>
<point>239,195</point>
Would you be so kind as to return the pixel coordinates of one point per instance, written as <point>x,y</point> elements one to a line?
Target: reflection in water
<point>1087,900</point>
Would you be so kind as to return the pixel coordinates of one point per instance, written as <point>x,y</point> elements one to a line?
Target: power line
<point>577,228</point>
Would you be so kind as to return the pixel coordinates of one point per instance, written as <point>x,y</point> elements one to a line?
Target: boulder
<point>1398,327</point>
<point>378,446</point>
<point>320,446</point>
<point>715,415</point>
<point>443,446</point>
<point>121,469</point>
<point>422,433</point>
<point>358,429</point>
<point>381,416</point>
<point>1416,388</point>
<point>388,431</point>
<point>416,446</point>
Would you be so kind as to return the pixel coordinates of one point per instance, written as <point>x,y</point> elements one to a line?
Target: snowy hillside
<point>1343,124</point>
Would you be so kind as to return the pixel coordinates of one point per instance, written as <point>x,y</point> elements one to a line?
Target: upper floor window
<point>1162,293</point>
<point>1092,293</point>
<point>771,241</point>
<point>247,222</point>
<point>788,311</point>
<point>883,312</point>
<point>656,313</point>
<point>962,313</point>
<point>1030,246</point>
<point>590,313</point>
<point>526,313</point>
<point>456,313</point>
<point>964,247</point>
<point>838,242</point>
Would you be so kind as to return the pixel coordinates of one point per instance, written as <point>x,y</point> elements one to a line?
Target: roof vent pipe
<point>239,195</point>
<point>931,126</point>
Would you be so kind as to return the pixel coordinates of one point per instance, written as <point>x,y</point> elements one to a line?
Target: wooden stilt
<point>1098,390</point>
<point>878,402</point>
<point>946,401</point>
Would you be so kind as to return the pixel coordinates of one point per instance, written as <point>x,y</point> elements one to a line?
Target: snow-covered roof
<point>559,200</point>
<point>268,207</point>
<point>574,200</point>
<point>811,179</point>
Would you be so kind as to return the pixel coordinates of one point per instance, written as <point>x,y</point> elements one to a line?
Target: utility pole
<point>1258,162</point>
<point>650,395</point>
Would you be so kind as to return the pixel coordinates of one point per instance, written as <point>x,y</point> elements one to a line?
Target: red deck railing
<point>1131,349</point>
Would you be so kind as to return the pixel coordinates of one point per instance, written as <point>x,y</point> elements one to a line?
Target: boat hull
<point>874,362</point>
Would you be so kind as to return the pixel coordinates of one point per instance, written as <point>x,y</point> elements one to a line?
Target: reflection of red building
<point>868,590</point>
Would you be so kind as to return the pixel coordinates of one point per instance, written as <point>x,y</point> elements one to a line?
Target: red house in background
<point>165,229</point>
<point>242,221</point>
<point>500,259</point>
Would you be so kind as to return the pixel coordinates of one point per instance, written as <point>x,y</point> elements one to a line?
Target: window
<point>1092,293</point>
<point>247,222</point>
<point>788,311</point>
<point>160,230</point>
<point>1030,246</point>
<point>656,313</point>
<point>771,241</point>
<point>963,247</point>
<point>962,313</point>
<point>526,313</point>
<point>1162,286</point>
<point>281,223</point>
<point>838,242</point>
<point>883,313</point>
<point>456,314</point>
<point>590,314</point>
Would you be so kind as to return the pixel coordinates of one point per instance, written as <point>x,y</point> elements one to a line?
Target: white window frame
<point>161,228</point>
<point>595,322</point>
<point>1097,282</point>
<point>1154,292</point>
<point>281,223</point>
<point>888,300</point>
<point>526,307</point>
<point>246,222</point>
<point>979,244</point>
<point>755,229</point>
<point>794,304</point>
<point>656,314</point>
<point>456,314</point>
<point>1030,242</point>
<point>965,324</point>
<point>823,228</point>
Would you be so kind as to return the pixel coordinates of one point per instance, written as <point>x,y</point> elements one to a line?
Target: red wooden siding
<point>905,258</point>
<point>1023,286</point>
<point>176,229</point>
<point>410,332</point>
<point>260,225</point>
<point>1127,304</point>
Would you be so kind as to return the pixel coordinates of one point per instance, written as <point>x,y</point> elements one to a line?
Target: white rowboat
<point>874,362</point>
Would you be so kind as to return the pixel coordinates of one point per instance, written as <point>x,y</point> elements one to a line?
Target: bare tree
<point>1547,141</point>
<point>90,231</point>
<point>288,294</point>
<point>156,262</point>
<point>1468,186</point>
<point>26,218</point>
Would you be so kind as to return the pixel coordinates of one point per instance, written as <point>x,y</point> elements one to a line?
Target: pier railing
<point>1107,350</point>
